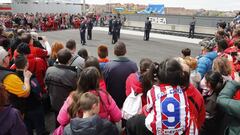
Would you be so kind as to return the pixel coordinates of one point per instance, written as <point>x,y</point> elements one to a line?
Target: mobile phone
<point>40,38</point>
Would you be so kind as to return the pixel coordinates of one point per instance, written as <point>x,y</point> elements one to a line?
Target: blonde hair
<point>56,46</point>
<point>222,65</point>
<point>81,102</point>
<point>191,62</point>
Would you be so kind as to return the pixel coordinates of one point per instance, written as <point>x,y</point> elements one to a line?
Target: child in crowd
<point>102,54</point>
<point>186,52</point>
<point>195,77</point>
<point>10,118</point>
<point>88,82</point>
<point>139,81</point>
<point>170,89</point>
<point>93,61</point>
<point>90,122</point>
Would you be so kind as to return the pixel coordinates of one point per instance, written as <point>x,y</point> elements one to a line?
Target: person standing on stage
<point>147,29</point>
<point>89,28</point>
<point>192,28</point>
<point>83,31</point>
<point>110,25</point>
<point>115,29</point>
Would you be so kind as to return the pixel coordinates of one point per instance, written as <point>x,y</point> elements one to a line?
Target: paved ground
<point>158,48</point>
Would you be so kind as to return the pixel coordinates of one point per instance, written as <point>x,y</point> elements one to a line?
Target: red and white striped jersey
<point>168,109</point>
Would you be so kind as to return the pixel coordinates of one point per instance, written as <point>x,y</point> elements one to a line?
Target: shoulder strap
<point>195,104</point>
<point>73,59</point>
<point>3,74</point>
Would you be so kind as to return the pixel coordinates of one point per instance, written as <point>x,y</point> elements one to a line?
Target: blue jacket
<point>205,62</point>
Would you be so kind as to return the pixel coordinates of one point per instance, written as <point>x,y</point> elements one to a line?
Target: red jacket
<point>196,104</point>
<point>38,52</point>
<point>133,82</point>
<point>38,67</point>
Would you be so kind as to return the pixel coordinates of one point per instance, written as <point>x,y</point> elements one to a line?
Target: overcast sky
<point>226,5</point>
<point>190,4</point>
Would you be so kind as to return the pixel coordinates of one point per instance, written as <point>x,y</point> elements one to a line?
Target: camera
<point>40,38</point>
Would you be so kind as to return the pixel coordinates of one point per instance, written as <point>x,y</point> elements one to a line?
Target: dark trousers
<point>114,37</point>
<point>89,36</point>
<point>118,33</point>
<point>34,119</point>
<point>136,126</point>
<point>110,30</point>
<point>191,32</point>
<point>146,35</point>
<point>83,39</point>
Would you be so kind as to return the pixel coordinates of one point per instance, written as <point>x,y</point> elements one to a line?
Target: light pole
<point>84,7</point>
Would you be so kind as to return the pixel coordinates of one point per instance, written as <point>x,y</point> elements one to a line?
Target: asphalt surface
<point>155,49</point>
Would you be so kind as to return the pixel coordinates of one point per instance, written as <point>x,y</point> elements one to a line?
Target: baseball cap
<point>207,44</point>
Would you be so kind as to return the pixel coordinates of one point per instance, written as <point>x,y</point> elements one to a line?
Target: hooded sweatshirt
<point>93,125</point>
<point>11,122</point>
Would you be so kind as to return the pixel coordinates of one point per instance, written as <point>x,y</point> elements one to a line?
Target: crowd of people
<point>48,21</point>
<point>89,95</point>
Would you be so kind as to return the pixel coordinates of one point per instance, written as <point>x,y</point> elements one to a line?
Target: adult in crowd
<point>4,41</point>
<point>115,29</point>
<point>147,29</point>
<point>192,28</point>
<point>83,53</point>
<point>76,60</point>
<point>116,72</point>
<point>83,31</point>
<point>60,80</point>
<point>35,51</point>
<point>102,56</point>
<point>36,65</point>
<point>56,46</point>
<point>90,122</point>
<point>214,122</point>
<point>89,28</point>
<point>110,25</point>
<point>33,113</point>
<point>230,107</point>
<point>13,84</point>
<point>10,118</point>
<point>206,59</point>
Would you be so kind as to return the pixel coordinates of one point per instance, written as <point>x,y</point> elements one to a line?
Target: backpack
<point>132,105</point>
<point>35,88</point>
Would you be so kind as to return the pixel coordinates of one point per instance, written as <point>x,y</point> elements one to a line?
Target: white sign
<point>158,20</point>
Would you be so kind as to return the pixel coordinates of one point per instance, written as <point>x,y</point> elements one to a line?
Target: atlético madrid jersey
<point>168,110</point>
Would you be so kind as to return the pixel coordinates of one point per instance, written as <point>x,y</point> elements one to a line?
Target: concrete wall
<point>174,27</point>
<point>182,20</point>
<point>46,8</point>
